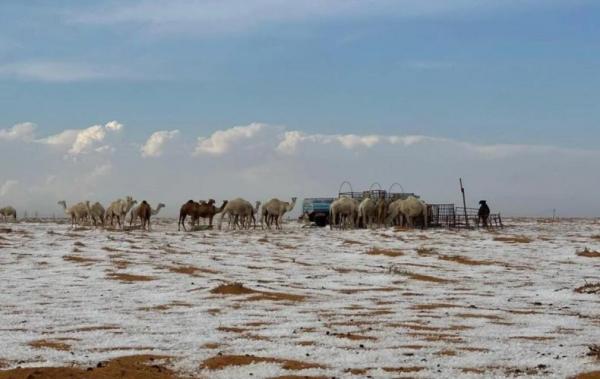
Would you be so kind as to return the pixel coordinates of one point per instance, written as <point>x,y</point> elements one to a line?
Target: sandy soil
<point>85,303</point>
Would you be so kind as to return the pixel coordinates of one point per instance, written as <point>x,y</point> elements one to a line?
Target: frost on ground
<point>306,302</point>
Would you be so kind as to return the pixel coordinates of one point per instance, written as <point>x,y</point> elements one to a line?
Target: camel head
<point>211,201</point>
<point>63,203</point>
<point>160,205</point>
<point>290,206</point>
<point>225,202</point>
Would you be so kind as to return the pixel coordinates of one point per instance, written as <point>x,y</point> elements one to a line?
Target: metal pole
<point>462,189</point>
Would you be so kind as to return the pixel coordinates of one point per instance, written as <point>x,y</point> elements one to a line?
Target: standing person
<point>483,213</point>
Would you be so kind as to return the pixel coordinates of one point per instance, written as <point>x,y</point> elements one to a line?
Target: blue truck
<point>316,209</point>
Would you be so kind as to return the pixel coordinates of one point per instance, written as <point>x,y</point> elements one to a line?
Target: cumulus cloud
<point>19,132</point>
<point>80,141</point>
<point>351,141</point>
<point>291,140</point>
<point>270,161</point>
<point>222,141</point>
<point>155,144</point>
<point>113,126</point>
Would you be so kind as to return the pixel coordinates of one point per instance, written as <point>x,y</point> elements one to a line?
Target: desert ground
<point>302,302</point>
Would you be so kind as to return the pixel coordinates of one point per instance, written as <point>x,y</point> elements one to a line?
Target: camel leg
<point>181,222</point>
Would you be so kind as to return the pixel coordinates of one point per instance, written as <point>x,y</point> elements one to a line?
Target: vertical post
<point>462,190</point>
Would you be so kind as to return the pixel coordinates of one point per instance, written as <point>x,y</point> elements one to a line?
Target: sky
<point>198,99</point>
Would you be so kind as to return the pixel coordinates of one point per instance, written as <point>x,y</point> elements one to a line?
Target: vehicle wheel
<point>321,221</point>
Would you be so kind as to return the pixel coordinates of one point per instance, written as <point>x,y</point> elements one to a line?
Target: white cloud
<point>259,161</point>
<point>222,141</point>
<point>351,141</point>
<point>52,71</point>
<point>240,15</point>
<point>113,126</point>
<point>7,186</point>
<point>290,142</point>
<point>86,138</point>
<point>80,141</point>
<point>155,144</point>
<point>19,132</point>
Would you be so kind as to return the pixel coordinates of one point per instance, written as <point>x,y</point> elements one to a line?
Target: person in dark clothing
<point>484,213</point>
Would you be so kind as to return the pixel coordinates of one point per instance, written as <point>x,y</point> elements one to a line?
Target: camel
<point>237,210</point>
<point>274,209</point>
<point>96,212</point>
<point>410,208</point>
<point>119,209</point>
<point>209,210</point>
<point>135,213</point>
<point>197,210</point>
<point>7,212</point>
<point>187,209</point>
<point>249,219</point>
<point>344,208</point>
<point>144,213</point>
<point>381,209</point>
<point>78,212</point>
<point>367,212</point>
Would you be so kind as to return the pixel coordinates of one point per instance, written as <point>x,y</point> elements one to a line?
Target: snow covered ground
<point>356,303</point>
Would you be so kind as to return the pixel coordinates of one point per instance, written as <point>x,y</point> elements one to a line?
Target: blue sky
<point>517,73</point>
<point>481,72</point>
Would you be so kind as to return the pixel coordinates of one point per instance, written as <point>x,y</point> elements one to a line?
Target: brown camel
<point>199,209</point>
<point>145,212</point>
<point>208,210</point>
<point>187,209</point>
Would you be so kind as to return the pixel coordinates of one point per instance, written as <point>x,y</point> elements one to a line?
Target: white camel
<point>367,212</point>
<point>96,212</point>
<point>7,212</point>
<point>78,212</point>
<point>119,209</point>
<point>410,208</point>
<point>343,212</point>
<point>236,210</point>
<point>274,209</point>
<point>135,213</point>
<point>250,219</point>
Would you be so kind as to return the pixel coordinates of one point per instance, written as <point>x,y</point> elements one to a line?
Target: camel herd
<point>241,214</point>
<point>346,212</point>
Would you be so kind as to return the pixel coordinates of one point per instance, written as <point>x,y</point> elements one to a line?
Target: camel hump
<point>190,201</point>
<point>144,202</point>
